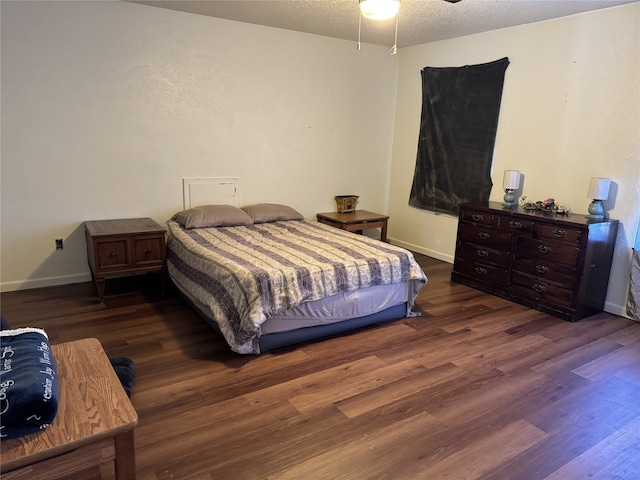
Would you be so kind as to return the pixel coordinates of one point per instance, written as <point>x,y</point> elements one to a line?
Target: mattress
<point>245,276</point>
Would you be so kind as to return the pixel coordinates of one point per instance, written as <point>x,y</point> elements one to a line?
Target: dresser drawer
<point>485,255</point>
<point>549,251</point>
<point>485,236</point>
<point>483,272</point>
<point>509,224</point>
<point>478,217</point>
<point>541,290</point>
<point>552,232</point>
<point>563,275</point>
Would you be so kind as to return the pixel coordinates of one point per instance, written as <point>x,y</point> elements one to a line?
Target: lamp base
<point>509,198</point>
<point>596,210</point>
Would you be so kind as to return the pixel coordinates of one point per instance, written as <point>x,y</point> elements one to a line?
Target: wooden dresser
<point>558,264</point>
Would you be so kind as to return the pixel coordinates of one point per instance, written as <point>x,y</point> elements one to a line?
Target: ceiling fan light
<point>379,9</point>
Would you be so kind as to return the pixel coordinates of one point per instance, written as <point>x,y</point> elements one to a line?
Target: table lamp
<point>598,191</point>
<point>510,183</point>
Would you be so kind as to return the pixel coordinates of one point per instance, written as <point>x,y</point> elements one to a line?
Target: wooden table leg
<point>163,283</point>
<point>383,231</point>
<point>100,285</point>
<point>125,461</point>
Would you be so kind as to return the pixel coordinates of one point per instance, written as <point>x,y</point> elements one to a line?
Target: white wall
<point>570,110</point>
<point>106,106</point>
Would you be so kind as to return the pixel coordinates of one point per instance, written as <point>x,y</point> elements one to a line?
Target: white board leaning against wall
<point>199,191</point>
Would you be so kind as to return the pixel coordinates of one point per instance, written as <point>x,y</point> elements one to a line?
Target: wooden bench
<point>94,423</point>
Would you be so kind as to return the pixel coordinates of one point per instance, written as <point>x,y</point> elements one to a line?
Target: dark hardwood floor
<point>475,388</point>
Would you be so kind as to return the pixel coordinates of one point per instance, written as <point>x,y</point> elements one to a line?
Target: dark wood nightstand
<point>356,221</point>
<point>129,246</point>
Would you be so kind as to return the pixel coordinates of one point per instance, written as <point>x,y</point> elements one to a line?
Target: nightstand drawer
<point>148,251</point>
<point>111,255</point>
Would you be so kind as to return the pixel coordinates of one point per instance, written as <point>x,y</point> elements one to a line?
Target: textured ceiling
<point>420,21</point>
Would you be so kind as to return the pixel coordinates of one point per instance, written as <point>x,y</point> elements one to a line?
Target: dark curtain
<point>460,108</point>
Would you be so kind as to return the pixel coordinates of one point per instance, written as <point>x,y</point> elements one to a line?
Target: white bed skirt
<point>355,304</point>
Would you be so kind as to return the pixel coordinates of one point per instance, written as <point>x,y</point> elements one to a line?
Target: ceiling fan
<point>382,10</point>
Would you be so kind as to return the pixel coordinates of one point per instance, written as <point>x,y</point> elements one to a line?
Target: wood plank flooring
<point>475,388</point>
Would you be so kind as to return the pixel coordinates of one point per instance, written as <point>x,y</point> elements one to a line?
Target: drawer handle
<point>545,249</point>
<point>481,271</point>
<point>515,224</point>
<point>484,235</point>
<point>113,254</point>
<point>559,233</point>
<point>542,269</point>
<point>148,251</point>
<point>482,253</point>
<point>539,288</point>
<point>477,217</point>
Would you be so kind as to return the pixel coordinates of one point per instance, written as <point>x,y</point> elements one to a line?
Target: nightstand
<point>129,246</point>
<point>356,221</point>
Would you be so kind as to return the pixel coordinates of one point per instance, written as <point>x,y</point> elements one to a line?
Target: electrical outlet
<point>59,244</point>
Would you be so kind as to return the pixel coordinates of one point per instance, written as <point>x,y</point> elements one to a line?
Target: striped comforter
<point>246,274</point>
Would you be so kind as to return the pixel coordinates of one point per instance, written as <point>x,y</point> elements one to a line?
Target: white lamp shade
<point>599,188</point>
<point>511,180</point>
<point>379,9</point>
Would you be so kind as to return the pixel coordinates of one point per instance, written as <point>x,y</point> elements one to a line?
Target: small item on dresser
<point>548,205</point>
<point>29,387</point>
<point>346,203</point>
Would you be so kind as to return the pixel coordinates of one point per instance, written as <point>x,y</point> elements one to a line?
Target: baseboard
<point>616,309</point>
<point>44,282</point>
<point>424,251</point>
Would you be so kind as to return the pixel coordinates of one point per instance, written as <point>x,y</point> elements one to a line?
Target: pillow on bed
<point>271,212</point>
<point>212,216</point>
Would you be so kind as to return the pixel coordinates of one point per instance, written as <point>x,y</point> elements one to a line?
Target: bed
<point>265,277</point>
